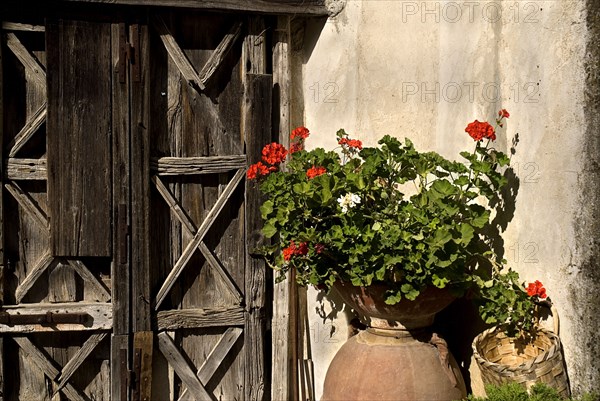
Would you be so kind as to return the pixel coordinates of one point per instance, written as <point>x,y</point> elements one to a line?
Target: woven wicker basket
<point>503,359</point>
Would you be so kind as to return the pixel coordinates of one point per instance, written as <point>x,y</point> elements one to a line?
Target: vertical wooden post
<point>120,267</point>
<point>140,186</point>
<point>257,131</point>
<point>2,260</point>
<point>283,346</point>
<point>256,123</point>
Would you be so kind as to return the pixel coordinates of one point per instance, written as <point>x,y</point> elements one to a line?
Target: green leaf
<point>269,230</point>
<point>266,208</point>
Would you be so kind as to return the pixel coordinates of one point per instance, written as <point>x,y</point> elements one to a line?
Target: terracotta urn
<point>398,357</point>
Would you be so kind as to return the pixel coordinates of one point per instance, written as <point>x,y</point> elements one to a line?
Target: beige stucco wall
<point>423,70</point>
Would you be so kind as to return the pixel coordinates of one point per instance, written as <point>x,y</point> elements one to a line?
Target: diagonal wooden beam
<point>190,227</point>
<point>214,359</point>
<point>35,273</point>
<point>198,237</point>
<point>76,361</point>
<point>85,273</point>
<point>34,122</point>
<point>48,367</point>
<point>181,366</point>
<point>29,205</point>
<point>27,59</point>
<point>219,53</point>
<point>177,55</point>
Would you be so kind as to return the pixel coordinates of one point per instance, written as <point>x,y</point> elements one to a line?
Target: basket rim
<point>542,357</point>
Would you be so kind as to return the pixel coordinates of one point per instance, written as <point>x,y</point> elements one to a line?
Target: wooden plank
<point>140,190</point>
<point>33,275</point>
<point>102,293</point>
<point>17,26</point>
<point>26,169</point>
<point>197,165</point>
<point>181,366</point>
<point>184,65</point>
<point>61,283</point>
<point>191,229</point>
<point>76,361</point>
<point>27,59</point>
<point>192,318</point>
<point>220,52</point>
<point>120,270</point>
<point>143,348</point>
<point>28,204</point>
<point>193,245</point>
<point>257,132</point>
<point>2,259</point>
<point>48,367</point>
<point>214,359</point>
<point>282,346</point>
<point>119,367</point>
<point>100,317</point>
<point>79,126</point>
<point>296,7</point>
<point>31,126</point>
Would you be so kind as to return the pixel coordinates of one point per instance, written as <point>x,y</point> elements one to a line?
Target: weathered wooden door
<point>126,219</point>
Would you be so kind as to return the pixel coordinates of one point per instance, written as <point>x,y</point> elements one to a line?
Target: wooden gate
<point>126,219</point>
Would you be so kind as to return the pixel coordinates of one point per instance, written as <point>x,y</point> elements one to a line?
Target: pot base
<point>394,365</point>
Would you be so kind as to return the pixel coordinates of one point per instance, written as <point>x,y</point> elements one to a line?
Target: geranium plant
<point>388,213</point>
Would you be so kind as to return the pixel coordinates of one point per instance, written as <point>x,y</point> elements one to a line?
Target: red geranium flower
<point>319,248</point>
<point>479,130</point>
<point>351,143</point>
<point>503,113</point>
<point>536,289</point>
<point>274,153</point>
<point>300,132</point>
<point>295,250</point>
<point>257,170</point>
<point>315,172</point>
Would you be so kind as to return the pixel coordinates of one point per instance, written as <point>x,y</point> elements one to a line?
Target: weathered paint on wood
<point>79,124</point>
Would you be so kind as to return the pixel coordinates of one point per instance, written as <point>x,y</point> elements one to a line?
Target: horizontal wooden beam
<point>99,316</point>
<point>16,26</point>
<point>296,7</point>
<point>197,165</point>
<point>26,169</point>
<point>190,318</point>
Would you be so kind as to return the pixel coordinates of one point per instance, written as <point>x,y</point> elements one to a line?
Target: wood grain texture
<point>33,275</point>
<point>143,346</point>
<point>257,131</point>
<point>119,365</point>
<point>31,126</point>
<point>219,53</point>
<point>37,72</point>
<point>49,367</point>
<point>102,293</point>
<point>181,366</point>
<point>140,191</point>
<point>77,360</point>
<point>214,359</point>
<point>26,169</point>
<point>2,245</point>
<point>186,68</point>
<point>79,126</point>
<point>297,7</point>
<point>192,318</point>
<point>18,26</point>
<point>197,165</point>
<point>198,237</point>
<point>281,354</point>
<point>100,317</point>
<point>29,205</point>
<point>120,267</point>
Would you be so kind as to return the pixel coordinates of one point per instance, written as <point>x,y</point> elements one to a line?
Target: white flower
<point>348,201</point>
